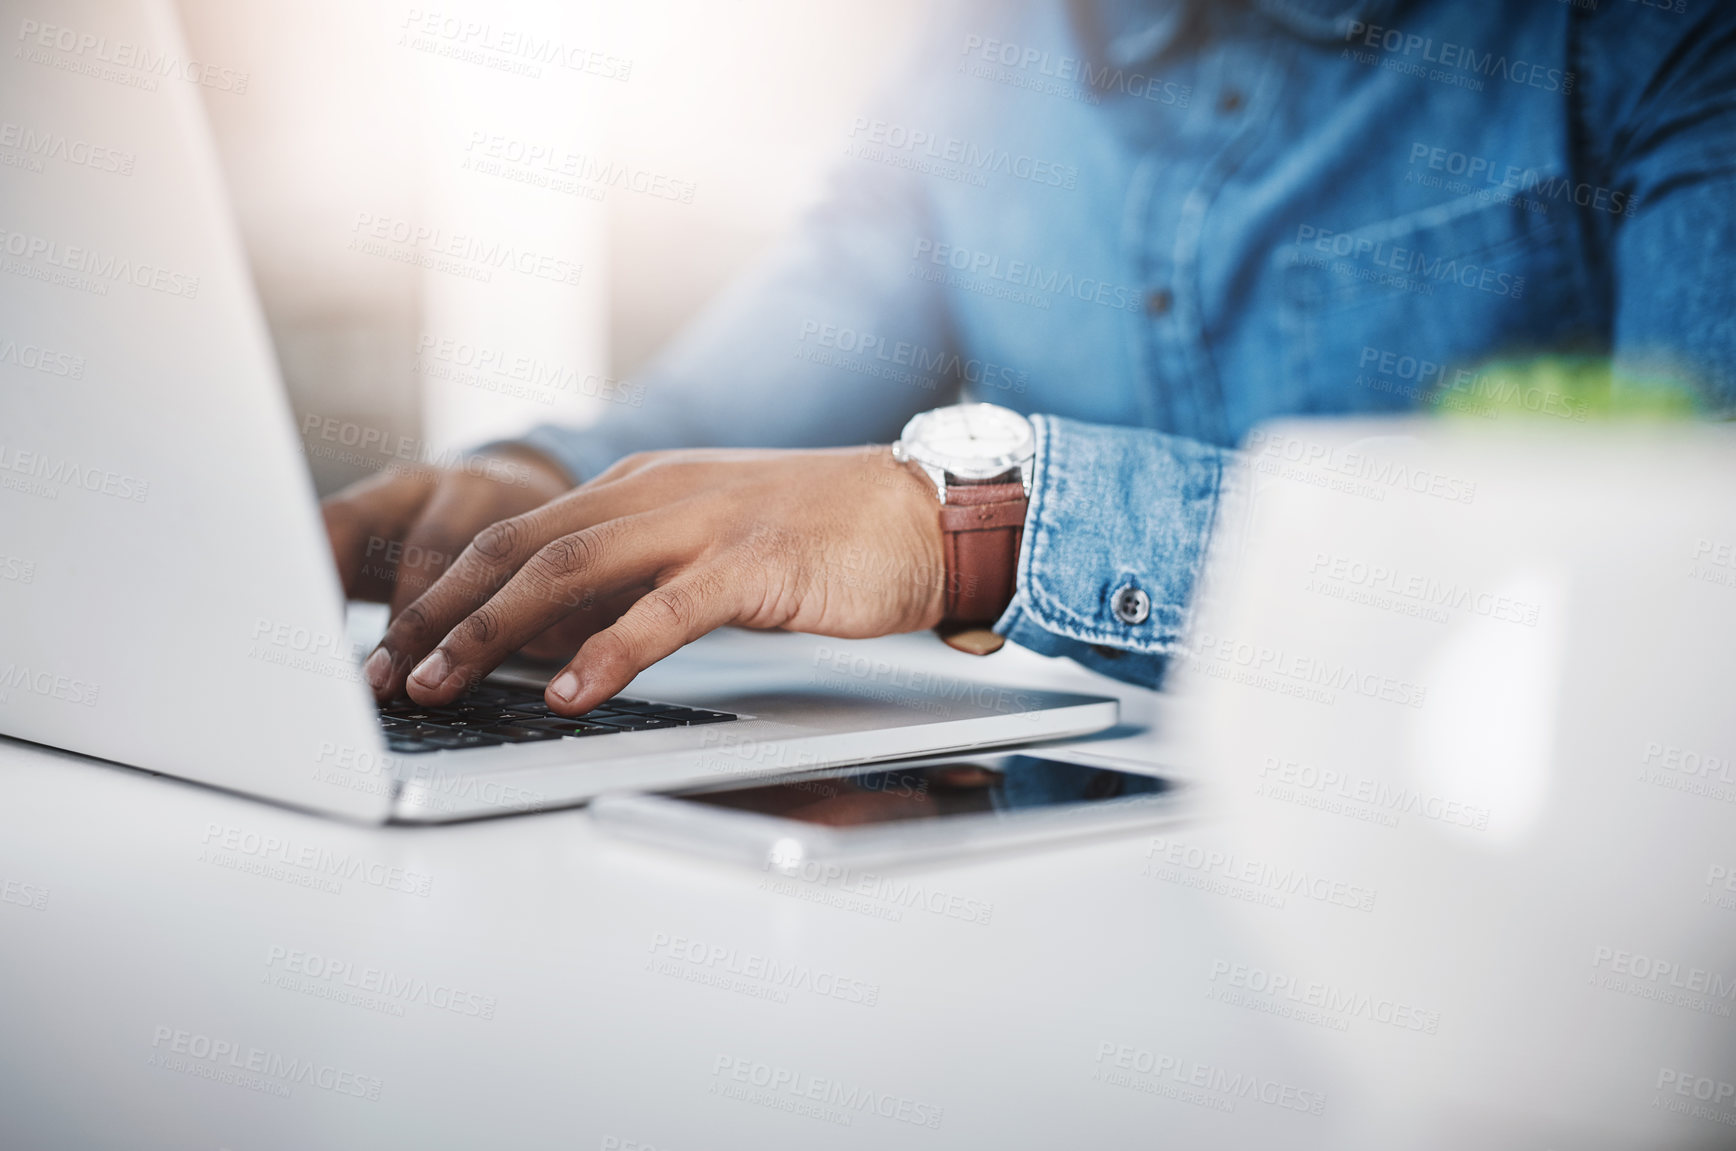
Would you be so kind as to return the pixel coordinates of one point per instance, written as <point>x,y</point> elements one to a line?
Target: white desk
<point>539,998</point>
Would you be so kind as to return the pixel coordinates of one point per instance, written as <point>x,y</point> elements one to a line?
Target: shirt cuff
<point>1119,517</point>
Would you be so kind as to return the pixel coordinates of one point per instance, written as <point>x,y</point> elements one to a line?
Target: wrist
<point>978,458</point>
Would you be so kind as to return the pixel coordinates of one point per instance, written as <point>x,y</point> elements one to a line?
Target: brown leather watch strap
<point>982,525</point>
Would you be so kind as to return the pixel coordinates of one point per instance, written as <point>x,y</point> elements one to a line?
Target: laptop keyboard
<point>490,716</point>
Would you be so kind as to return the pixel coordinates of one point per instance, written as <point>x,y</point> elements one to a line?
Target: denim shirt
<point>1151,224</point>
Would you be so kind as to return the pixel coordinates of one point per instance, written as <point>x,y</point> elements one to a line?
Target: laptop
<point>167,597</point>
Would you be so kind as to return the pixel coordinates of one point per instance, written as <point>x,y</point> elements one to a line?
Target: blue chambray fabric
<point>1151,224</point>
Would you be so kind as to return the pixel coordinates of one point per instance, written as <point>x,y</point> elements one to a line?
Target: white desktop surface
<point>598,1037</point>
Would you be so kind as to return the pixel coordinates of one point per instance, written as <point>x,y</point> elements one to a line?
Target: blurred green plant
<point>1575,388</point>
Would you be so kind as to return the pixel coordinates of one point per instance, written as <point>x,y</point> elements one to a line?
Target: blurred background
<point>464,220</point>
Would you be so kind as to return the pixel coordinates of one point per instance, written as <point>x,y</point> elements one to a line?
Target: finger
<point>663,621</point>
<point>566,577</point>
<point>561,642</point>
<point>482,569</point>
<point>380,506</point>
<point>433,542</point>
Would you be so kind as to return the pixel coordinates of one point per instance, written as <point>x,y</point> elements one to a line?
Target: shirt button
<point>1158,301</point>
<point>1230,101</point>
<point>1131,605</point>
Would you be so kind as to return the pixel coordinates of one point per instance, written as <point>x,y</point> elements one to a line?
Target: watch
<point>979,457</point>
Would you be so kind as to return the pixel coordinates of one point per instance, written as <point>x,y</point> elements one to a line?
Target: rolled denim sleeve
<point>1112,508</point>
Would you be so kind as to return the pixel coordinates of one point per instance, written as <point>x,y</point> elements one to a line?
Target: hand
<point>667,546</point>
<point>392,534</point>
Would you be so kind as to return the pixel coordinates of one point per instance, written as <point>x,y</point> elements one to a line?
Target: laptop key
<point>439,740</point>
<point>476,739</point>
<point>516,733</point>
<point>634,706</point>
<point>636,722</point>
<point>695,715</point>
<point>418,716</point>
<point>571,728</point>
<point>418,731</point>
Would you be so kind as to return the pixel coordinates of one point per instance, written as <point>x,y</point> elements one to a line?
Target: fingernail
<point>431,672</point>
<point>565,686</point>
<point>378,669</point>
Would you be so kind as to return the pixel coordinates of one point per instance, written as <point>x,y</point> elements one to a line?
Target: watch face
<point>972,441</point>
